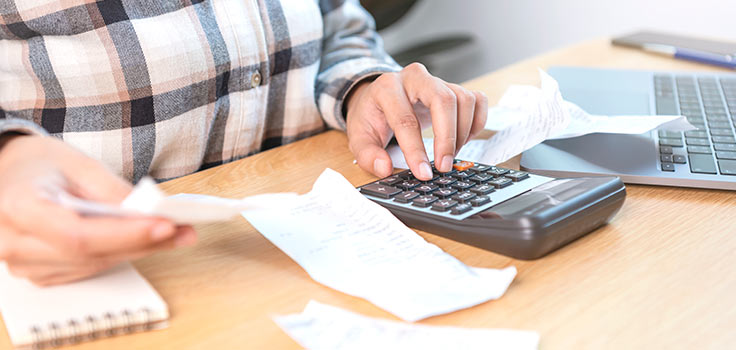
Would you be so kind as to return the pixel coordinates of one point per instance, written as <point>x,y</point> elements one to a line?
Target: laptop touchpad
<point>609,102</point>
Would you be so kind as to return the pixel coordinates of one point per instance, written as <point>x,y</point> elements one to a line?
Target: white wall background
<point>509,30</point>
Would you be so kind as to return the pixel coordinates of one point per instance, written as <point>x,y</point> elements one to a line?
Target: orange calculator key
<point>463,165</point>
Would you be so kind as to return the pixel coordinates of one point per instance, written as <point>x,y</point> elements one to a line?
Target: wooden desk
<point>661,275</point>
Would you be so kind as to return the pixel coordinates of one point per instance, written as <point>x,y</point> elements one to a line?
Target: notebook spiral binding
<point>90,328</point>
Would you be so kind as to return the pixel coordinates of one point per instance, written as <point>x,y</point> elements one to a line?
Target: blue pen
<point>727,61</point>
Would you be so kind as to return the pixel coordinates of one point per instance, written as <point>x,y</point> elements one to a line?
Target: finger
<point>88,235</point>
<point>480,114</point>
<point>393,102</point>
<point>61,277</point>
<point>99,184</point>
<point>370,153</point>
<point>465,114</point>
<point>442,103</point>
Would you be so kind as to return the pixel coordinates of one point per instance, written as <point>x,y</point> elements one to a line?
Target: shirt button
<point>255,79</point>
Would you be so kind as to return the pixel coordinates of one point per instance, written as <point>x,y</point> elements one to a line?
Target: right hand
<point>49,244</point>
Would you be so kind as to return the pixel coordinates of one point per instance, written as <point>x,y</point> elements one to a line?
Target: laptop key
<point>721,132</point>
<point>696,134</point>
<point>679,159</point>
<point>665,149</point>
<point>668,167</point>
<point>666,106</point>
<point>728,167</point>
<point>670,142</point>
<point>666,158</point>
<point>725,155</point>
<point>669,134</point>
<point>702,164</point>
<point>725,147</point>
<point>724,139</point>
<point>699,149</point>
<point>697,142</point>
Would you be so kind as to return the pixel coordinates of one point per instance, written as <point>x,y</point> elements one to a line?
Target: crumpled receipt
<point>322,326</point>
<point>527,115</point>
<point>349,243</point>
<point>147,199</point>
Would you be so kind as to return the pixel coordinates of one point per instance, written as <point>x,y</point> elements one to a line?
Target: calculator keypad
<point>467,189</point>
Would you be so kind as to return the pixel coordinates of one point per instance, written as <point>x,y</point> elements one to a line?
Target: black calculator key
<point>380,191</point>
<point>444,181</point>
<point>725,147</point>
<point>444,192</point>
<point>516,175</point>
<point>500,182</point>
<point>481,178</point>
<point>391,180</point>
<point>463,197</point>
<point>426,188</point>
<point>725,155</point>
<point>478,201</point>
<point>479,168</point>
<point>666,158</point>
<point>670,142</point>
<point>406,197</point>
<point>462,175</point>
<point>702,163</point>
<point>668,167</point>
<point>443,204</point>
<point>408,184</point>
<point>699,149</point>
<point>406,175</point>
<point>463,185</point>
<point>461,208</point>
<point>496,171</point>
<point>424,201</point>
<point>728,167</point>
<point>679,159</point>
<point>665,150</point>
<point>482,189</point>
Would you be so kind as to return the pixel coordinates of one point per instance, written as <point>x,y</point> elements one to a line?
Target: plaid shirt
<point>168,87</point>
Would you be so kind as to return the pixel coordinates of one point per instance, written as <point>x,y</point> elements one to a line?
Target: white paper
<point>349,243</point>
<point>471,152</point>
<point>147,199</point>
<point>322,326</point>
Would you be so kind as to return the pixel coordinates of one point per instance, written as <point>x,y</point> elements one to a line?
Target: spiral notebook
<point>116,302</point>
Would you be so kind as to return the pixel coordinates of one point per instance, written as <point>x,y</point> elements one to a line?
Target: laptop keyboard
<point>709,103</point>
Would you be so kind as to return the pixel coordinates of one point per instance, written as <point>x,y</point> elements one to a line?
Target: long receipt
<point>322,326</point>
<point>348,243</point>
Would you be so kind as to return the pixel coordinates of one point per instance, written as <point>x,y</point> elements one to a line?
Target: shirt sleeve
<point>19,125</point>
<point>351,51</point>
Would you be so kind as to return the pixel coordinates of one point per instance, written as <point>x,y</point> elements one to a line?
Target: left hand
<point>400,104</point>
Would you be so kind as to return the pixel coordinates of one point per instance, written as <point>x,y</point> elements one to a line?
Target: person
<point>95,95</point>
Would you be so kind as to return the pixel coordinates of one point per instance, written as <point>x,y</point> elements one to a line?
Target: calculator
<point>511,212</point>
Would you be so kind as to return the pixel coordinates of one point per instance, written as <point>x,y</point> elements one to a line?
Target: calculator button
<point>444,192</point>
<point>391,180</point>
<point>380,191</point>
<point>443,204</point>
<point>500,182</point>
<point>463,197</point>
<point>516,175</point>
<point>424,201</point>
<point>426,188</point>
<point>444,181</point>
<point>463,185</point>
<point>481,178</point>
<point>461,208</point>
<point>406,197</point>
<point>479,168</point>
<point>482,189</point>
<point>462,175</point>
<point>406,175</point>
<point>408,184</point>
<point>477,202</point>
<point>496,171</point>
<point>463,165</point>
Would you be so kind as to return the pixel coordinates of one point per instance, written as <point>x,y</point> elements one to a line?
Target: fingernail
<point>185,240</point>
<point>379,166</point>
<point>447,163</point>
<point>425,171</point>
<point>162,231</point>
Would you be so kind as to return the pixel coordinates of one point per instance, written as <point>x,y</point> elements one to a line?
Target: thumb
<point>371,156</point>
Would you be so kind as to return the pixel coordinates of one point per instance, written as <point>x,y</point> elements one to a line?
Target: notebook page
<point>24,305</point>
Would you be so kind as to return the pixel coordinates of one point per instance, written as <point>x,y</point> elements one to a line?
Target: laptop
<point>703,158</point>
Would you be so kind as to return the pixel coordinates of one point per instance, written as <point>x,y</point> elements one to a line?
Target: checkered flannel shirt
<point>168,87</point>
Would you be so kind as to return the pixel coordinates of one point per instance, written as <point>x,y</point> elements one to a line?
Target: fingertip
<point>162,230</point>
<point>186,238</point>
<point>382,167</point>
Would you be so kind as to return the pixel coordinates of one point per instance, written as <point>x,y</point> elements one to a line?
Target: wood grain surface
<point>662,274</point>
